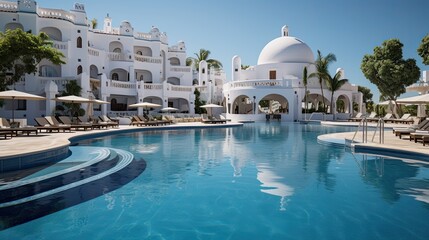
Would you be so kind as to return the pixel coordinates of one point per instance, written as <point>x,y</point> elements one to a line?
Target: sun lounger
<point>95,122</point>
<point>66,121</point>
<point>43,124</point>
<point>110,122</point>
<point>418,135</point>
<point>357,118</point>
<point>399,132</point>
<point>5,127</point>
<point>54,122</point>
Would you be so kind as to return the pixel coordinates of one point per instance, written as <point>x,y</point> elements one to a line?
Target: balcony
<point>119,57</point>
<point>59,45</point>
<point>147,59</point>
<point>180,69</point>
<point>93,52</point>
<point>263,83</point>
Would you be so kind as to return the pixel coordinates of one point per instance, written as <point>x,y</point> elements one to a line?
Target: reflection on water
<point>272,184</point>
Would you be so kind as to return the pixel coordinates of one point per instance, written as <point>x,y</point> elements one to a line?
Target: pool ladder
<point>363,124</point>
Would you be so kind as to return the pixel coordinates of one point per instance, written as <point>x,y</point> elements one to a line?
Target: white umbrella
<point>73,99</point>
<point>90,107</point>
<point>210,106</point>
<point>13,94</point>
<point>169,109</point>
<point>421,99</point>
<point>144,105</point>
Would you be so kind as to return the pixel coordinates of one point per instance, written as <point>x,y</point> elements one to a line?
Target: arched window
<point>139,53</point>
<point>115,76</point>
<point>141,77</point>
<point>79,42</point>
<point>203,71</point>
<point>79,70</point>
<point>117,50</point>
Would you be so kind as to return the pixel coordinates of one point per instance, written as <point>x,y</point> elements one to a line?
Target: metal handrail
<point>380,124</point>
<point>364,124</point>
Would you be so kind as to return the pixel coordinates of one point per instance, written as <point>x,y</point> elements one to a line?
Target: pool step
<point>67,183</point>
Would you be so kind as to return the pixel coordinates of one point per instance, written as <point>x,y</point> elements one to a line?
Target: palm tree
<point>322,65</point>
<point>203,55</point>
<point>305,82</point>
<point>334,84</point>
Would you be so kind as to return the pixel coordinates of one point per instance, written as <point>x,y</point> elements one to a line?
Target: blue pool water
<point>259,181</point>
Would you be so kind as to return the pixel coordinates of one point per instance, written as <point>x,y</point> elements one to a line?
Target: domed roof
<point>286,49</point>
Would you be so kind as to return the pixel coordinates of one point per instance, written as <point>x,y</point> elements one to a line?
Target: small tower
<point>285,31</point>
<point>107,24</point>
<point>236,68</point>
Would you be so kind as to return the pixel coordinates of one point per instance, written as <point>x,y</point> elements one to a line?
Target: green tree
<point>305,82</point>
<point>203,55</point>
<point>21,52</point>
<point>423,50</point>
<point>334,84</point>
<point>94,23</point>
<point>322,64</point>
<point>366,97</point>
<point>198,103</point>
<point>387,69</point>
<point>244,67</point>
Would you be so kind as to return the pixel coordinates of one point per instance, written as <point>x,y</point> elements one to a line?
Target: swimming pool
<point>259,181</point>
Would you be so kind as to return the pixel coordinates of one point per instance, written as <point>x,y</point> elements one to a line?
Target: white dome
<point>286,50</point>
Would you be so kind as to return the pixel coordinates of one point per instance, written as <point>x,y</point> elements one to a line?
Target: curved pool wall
<point>32,160</point>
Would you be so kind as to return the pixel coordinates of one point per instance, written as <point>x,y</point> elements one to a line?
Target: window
<point>139,53</point>
<point>273,75</point>
<point>79,42</point>
<point>117,50</point>
<point>203,71</point>
<point>79,70</point>
<point>141,77</point>
<point>115,76</point>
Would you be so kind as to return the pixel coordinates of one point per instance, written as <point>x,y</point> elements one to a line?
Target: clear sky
<point>349,29</point>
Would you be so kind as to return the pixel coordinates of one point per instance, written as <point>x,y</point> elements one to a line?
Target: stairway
<point>87,173</point>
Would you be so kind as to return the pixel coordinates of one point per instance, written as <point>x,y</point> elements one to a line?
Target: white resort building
<point>118,65</point>
<point>275,87</point>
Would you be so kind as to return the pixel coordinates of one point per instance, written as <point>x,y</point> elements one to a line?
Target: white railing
<point>93,52</point>
<point>141,58</point>
<point>259,84</point>
<point>180,69</point>
<point>181,88</point>
<point>150,86</point>
<point>8,6</point>
<point>57,80</point>
<point>59,45</point>
<point>121,84</point>
<point>119,56</point>
<point>55,13</point>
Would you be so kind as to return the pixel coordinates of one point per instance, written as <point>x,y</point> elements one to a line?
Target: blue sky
<point>349,29</point>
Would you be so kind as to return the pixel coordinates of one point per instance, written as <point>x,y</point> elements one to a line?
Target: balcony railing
<point>8,6</point>
<point>180,69</point>
<point>59,45</point>
<point>55,13</point>
<point>259,84</point>
<point>93,52</point>
<point>149,86</point>
<point>119,56</point>
<point>177,88</point>
<point>121,84</point>
<point>147,59</point>
<point>60,81</point>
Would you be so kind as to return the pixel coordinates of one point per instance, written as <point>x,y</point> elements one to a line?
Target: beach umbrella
<point>210,106</point>
<point>90,107</point>
<point>421,99</point>
<point>145,105</point>
<point>73,99</point>
<point>13,94</point>
<point>169,109</point>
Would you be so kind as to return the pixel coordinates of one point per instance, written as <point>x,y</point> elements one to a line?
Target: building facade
<point>275,85</point>
<point>118,65</point>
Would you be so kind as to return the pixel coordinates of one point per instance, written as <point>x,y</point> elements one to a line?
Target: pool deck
<point>26,145</point>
